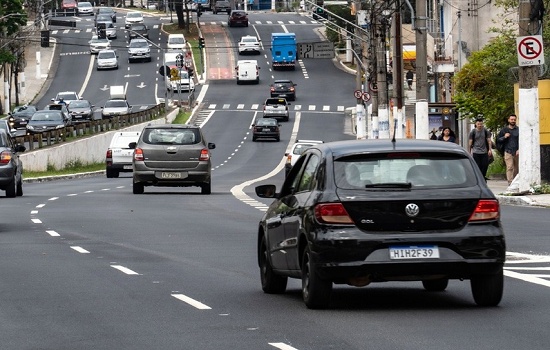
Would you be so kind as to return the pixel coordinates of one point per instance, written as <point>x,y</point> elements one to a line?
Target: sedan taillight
<point>109,154</point>
<point>138,154</point>
<point>332,213</point>
<point>486,209</point>
<point>205,155</point>
<point>5,157</point>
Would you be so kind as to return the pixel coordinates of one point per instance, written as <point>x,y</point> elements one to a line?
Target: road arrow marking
<point>141,86</point>
<point>104,88</point>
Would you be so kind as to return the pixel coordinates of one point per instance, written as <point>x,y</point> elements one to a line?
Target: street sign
<point>316,50</point>
<point>530,50</point>
<point>358,93</point>
<point>305,50</point>
<point>366,96</point>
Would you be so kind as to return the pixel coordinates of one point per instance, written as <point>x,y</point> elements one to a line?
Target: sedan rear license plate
<point>171,175</point>
<point>414,252</point>
<point>127,167</point>
<point>266,130</point>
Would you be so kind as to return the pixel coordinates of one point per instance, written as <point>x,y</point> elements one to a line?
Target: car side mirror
<point>266,191</point>
<point>211,145</point>
<point>132,145</point>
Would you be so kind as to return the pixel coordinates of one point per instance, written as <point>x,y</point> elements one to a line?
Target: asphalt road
<point>88,265</point>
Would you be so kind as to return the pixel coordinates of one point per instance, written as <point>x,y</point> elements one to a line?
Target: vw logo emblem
<point>412,210</point>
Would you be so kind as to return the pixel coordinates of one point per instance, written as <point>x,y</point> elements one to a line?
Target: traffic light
<point>179,61</point>
<point>319,10</point>
<point>201,43</point>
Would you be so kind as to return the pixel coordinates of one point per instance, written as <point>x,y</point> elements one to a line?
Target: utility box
<point>45,38</point>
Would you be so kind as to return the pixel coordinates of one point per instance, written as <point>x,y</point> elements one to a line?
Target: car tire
<point>206,188</point>
<point>271,282</point>
<point>438,285</point>
<point>487,289</point>
<point>116,173</point>
<point>109,173</point>
<point>11,190</point>
<point>286,118</point>
<point>254,139</point>
<point>315,290</point>
<point>278,139</point>
<point>138,188</point>
<point>19,189</point>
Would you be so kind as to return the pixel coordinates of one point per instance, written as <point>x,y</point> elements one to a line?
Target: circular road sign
<point>365,96</point>
<point>530,48</point>
<point>357,93</point>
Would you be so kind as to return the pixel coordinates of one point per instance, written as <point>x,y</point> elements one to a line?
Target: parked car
<point>276,108</point>
<point>172,155</point>
<point>101,10</point>
<point>283,88</point>
<point>65,97</point>
<point>249,44</point>
<point>221,6</point>
<point>237,18</point>
<point>11,167</point>
<point>138,30</point>
<point>107,59</point>
<point>381,210</point>
<point>69,5</point>
<point>81,111</point>
<point>139,50</point>
<point>176,42</point>
<point>97,44</point>
<point>119,154</point>
<point>296,151</point>
<point>133,18</point>
<point>20,115</point>
<point>266,128</point>
<point>85,8</point>
<point>115,107</point>
<point>46,120</point>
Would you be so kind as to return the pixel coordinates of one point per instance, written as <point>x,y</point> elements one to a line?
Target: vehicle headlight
<point>59,126</point>
<point>30,127</point>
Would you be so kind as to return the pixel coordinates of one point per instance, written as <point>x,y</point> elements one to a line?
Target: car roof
<point>171,126</point>
<point>280,81</point>
<point>351,147</point>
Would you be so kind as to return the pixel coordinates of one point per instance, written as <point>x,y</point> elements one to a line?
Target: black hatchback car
<point>237,18</point>
<point>356,212</point>
<point>283,88</point>
<point>20,116</point>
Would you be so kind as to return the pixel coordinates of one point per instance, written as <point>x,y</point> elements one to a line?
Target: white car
<point>138,50</point>
<point>296,151</point>
<point>115,107</point>
<point>97,44</point>
<point>132,18</point>
<point>119,155</point>
<point>85,8</point>
<point>66,97</point>
<point>107,59</point>
<point>184,83</point>
<point>176,42</point>
<point>249,43</point>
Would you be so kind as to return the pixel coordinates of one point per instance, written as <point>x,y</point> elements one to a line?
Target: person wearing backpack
<point>508,141</point>
<point>479,146</point>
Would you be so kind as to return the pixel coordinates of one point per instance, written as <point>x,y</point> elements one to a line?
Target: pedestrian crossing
<point>80,30</point>
<point>292,107</point>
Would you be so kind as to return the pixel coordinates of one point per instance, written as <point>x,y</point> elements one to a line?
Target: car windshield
<point>84,4</point>
<point>171,136</point>
<point>106,54</point>
<point>104,18</point>
<point>176,40</point>
<point>249,40</point>
<point>301,148</point>
<point>105,10</point>
<point>67,96</point>
<point>24,109</point>
<point>79,104</point>
<point>133,15</point>
<point>137,27</point>
<point>42,117</point>
<point>266,122</point>
<point>138,43</point>
<point>116,104</point>
<point>418,170</point>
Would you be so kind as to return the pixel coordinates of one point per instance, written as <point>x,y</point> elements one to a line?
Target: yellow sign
<point>174,74</point>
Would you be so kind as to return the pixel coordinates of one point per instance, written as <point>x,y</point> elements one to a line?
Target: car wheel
<point>206,188</point>
<point>278,139</point>
<point>254,139</point>
<point>109,173</point>
<point>271,282</point>
<point>487,289</point>
<point>138,188</point>
<point>286,118</point>
<point>315,290</point>
<point>116,173</point>
<point>19,189</point>
<point>238,82</point>
<point>436,285</point>
<point>11,190</point>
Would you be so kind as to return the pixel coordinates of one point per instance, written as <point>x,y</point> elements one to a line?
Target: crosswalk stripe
<point>241,106</point>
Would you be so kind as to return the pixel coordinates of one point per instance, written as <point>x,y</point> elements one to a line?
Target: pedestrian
<point>509,137</point>
<point>410,76</point>
<point>447,135</point>
<point>479,145</point>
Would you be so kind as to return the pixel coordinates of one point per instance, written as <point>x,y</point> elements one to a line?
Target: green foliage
<point>72,167</point>
<point>182,117</point>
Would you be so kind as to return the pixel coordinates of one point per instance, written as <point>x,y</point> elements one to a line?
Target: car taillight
<point>272,89</point>
<point>5,157</point>
<point>291,89</point>
<point>205,155</point>
<point>109,154</point>
<point>138,154</point>
<point>289,159</point>
<point>486,209</point>
<point>332,213</point>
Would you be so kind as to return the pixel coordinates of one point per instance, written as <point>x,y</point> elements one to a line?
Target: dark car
<point>103,18</point>
<point>172,155</point>
<point>60,107</point>
<point>266,128</point>
<point>221,6</point>
<point>237,18</point>
<point>101,10</point>
<point>47,120</point>
<point>81,111</point>
<point>137,31</point>
<point>11,167</point>
<point>20,116</point>
<point>356,212</point>
<point>283,88</point>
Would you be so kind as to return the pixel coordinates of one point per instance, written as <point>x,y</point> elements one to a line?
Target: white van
<point>119,154</point>
<point>248,70</point>
<point>176,42</point>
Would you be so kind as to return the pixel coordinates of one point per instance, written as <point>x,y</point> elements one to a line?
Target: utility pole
<point>359,109</point>
<point>372,76</point>
<point>397,70</point>
<point>382,70</point>
<point>529,137</point>
<point>421,30</point>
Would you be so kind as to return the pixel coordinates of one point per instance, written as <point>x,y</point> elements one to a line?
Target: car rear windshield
<point>171,136</point>
<point>420,170</point>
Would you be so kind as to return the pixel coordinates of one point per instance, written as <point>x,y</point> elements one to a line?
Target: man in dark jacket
<point>509,136</point>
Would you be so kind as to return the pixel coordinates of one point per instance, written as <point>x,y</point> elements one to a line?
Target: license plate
<point>414,252</point>
<point>266,130</point>
<point>22,122</point>
<point>171,175</point>
<point>127,167</point>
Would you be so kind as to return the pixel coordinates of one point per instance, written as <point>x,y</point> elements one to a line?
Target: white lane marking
<point>40,206</point>
<point>282,346</point>
<point>528,268</point>
<point>80,249</point>
<point>191,301</point>
<point>527,278</point>
<point>105,189</point>
<point>523,258</point>
<point>53,198</point>
<point>89,192</point>
<point>36,221</point>
<point>52,233</point>
<point>34,212</point>
<point>120,186</point>
<point>124,269</point>
<point>72,194</point>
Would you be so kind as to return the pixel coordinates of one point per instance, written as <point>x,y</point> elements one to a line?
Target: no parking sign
<point>530,50</point>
